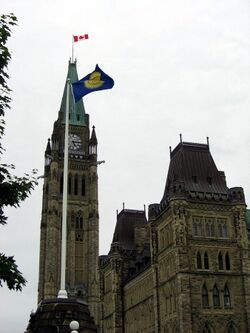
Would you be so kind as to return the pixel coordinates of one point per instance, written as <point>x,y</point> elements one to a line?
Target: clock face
<point>74,142</point>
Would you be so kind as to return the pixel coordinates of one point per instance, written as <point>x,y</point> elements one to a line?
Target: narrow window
<point>195,180</point>
<point>195,229</point>
<point>83,186</point>
<point>204,297</point>
<point>198,260</point>
<point>227,260</point>
<point>224,230</point>
<point>220,230</point>
<point>216,296</point>
<point>81,223</point>
<point>206,261</point>
<point>220,261</point>
<point>208,233</point>
<point>199,229</point>
<point>61,183</point>
<point>227,300</point>
<point>76,185</point>
<point>69,184</point>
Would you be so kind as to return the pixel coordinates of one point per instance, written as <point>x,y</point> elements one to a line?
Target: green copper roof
<point>76,111</point>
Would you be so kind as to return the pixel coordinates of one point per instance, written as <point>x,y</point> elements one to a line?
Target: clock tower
<point>82,280</point>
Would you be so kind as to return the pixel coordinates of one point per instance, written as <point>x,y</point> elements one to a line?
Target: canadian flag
<point>81,37</point>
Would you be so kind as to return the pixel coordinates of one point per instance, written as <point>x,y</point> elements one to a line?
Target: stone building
<point>82,279</point>
<point>185,268</point>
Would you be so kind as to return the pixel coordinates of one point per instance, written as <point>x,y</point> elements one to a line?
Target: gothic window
<point>76,185</point>
<point>209,227</point>
<point>227,300</point>
<point>231,329</point>
<point>206,329</point>
<point>69,184</point>
<point>197,226</point>
<point>220,261</point>
<point>216,296</point>
<point>227,260</point>
<point>195,229</point>
<point>79,222</point>
<point>208,231</point>
<point>204,297</point>
<point>61,183</point>
<point>79,228</point>
<point>198,260</point>
<point>222,228</point>
<point>206,261</point>
<point>83,186</point>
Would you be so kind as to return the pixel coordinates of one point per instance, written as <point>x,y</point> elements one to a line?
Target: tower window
<point>198,260</point>
<point>206,261</point>
<point>220,261</point>
<point>83,186</point>
<point>61,183</point>
<point>227,260</point>
<point>76,185</point>
<point>69,184</point>
<point>216,296</point>
<point>227,300</point>
<point>204,297</point>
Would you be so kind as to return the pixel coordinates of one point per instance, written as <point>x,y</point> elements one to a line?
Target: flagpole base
<point>62,294</point>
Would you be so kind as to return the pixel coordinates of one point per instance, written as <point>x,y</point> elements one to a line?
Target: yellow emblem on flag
<point>94,81</point>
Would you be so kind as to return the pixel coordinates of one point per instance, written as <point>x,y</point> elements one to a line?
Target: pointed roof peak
<point>76,110</point>
<point>93,138</point>
<point>48,148</point>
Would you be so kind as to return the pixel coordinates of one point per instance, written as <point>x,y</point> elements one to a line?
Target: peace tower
<point>82,280</point>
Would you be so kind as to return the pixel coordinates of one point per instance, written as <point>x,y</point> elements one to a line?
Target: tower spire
<point>76,110</point>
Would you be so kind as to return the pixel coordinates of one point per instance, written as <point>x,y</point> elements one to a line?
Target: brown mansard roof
<point>192,165</point>
<point>127,220</point>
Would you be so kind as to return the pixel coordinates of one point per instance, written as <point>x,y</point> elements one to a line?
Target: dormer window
<point>195,179</point>
<point>209,180</point>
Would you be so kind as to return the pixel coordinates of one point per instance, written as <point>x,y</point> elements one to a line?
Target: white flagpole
<point>72,59</point>
<point>62,292</point>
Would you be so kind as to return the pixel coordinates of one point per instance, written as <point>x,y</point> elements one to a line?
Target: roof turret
<point>93,138</point>
<point>76,110</point>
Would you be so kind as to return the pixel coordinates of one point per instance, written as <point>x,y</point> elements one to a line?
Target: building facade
<point>82,214</point>
<point>187,268</point>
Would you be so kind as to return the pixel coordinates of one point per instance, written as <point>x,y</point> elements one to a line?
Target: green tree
<point>13,189</point>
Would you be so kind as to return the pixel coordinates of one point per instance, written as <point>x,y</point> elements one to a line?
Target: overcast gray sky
<point>179,67</point>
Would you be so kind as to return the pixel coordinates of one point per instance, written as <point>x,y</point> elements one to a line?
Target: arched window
<point>220,261</point>
<point>198,260</point>
<point>231,329</point>
<point>206,261</point>
<point>227,300</point>
<point>204,297</point>
<point>216,296</point>
<point>76,185</point>
<point>83,186</point>
<point>227,260</point>
<point>207,329</point>
<point>69,184</point>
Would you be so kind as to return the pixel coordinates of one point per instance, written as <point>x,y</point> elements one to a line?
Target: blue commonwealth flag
<point>97,80</point>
